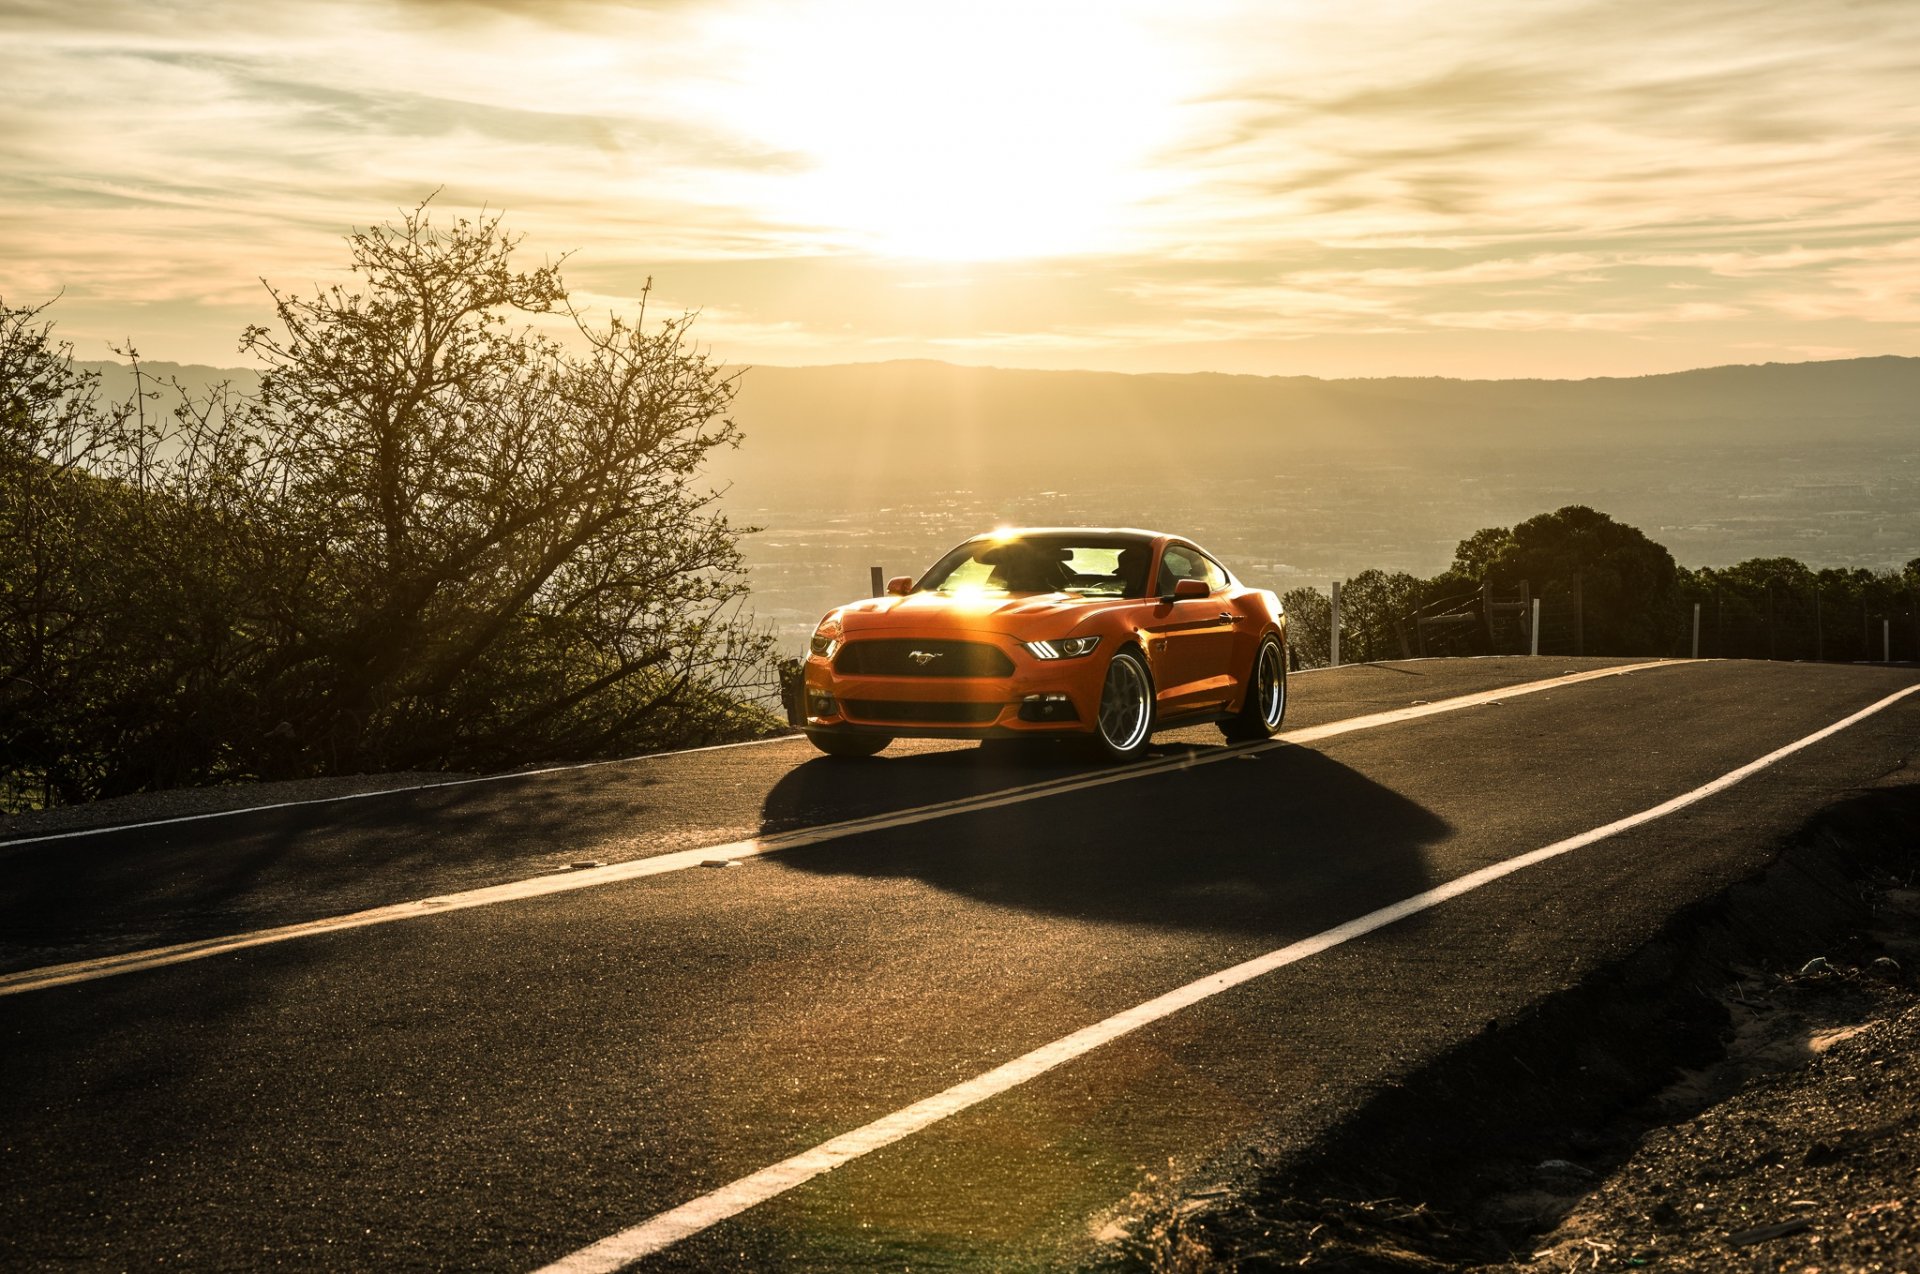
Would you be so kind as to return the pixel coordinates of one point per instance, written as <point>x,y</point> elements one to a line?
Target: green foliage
<point>1632,600</point>
<point>1309,619</point>
<point>1477,555</point>
<point>1627,584</point>
<point>435,538</point>
<point>1373,607</point>
<point>1779,608</point>
<point>62,607</point>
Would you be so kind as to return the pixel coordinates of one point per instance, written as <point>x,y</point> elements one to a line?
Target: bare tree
<point>490,542</point>
<point>438,536</point>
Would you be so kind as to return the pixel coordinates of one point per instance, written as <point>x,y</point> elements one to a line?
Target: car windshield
<point>1089,566</point>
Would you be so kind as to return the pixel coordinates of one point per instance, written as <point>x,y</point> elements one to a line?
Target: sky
<point>1481,188</point>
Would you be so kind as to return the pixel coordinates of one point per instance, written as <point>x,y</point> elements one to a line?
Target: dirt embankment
<point>1742,1093</point>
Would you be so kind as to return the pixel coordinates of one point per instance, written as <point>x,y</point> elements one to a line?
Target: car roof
<point>1103,532</point>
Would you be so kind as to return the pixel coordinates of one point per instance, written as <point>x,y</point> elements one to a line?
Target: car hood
<point>1028,617</point>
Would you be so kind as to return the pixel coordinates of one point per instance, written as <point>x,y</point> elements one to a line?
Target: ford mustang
<point>1102,634</point>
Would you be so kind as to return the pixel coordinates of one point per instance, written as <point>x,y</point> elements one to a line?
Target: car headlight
<point>1065,648</point>
<point>826,638</point>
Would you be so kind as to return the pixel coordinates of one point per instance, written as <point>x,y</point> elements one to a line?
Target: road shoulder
<point>1747,1081</point>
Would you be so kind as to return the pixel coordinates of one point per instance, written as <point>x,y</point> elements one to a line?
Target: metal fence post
<point>1696,630</point>
<point>1533,629</point>
<point>1333,630</point>
<point>878,580</point>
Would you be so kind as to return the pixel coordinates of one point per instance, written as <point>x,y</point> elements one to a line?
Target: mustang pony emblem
<point>923,657</point>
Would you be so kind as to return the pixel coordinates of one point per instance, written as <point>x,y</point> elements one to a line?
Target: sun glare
<point>959,133</point>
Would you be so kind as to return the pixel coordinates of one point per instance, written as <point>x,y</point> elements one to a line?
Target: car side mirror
<point>1188,588</point>
<point>900,585</point>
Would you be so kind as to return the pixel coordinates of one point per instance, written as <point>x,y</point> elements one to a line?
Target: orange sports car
<point>1107,634</point>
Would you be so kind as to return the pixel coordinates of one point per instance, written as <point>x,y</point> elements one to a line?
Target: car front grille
<point>891,657</point>
<point>901,710</point>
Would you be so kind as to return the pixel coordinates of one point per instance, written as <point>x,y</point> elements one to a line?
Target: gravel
<point>1815,1166</point>
<point>1743,1093</point>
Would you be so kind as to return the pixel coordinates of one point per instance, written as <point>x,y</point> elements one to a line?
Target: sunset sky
<point>1524,188</point>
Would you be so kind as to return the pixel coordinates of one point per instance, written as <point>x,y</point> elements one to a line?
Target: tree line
<point>437,537</point>
<point>461,526</point>
<point>1606,588</point>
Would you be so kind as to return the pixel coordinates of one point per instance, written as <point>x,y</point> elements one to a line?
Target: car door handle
<point>1228,617</point>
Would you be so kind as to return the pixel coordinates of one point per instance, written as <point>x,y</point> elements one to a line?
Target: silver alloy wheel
<point>1270,683</point>
<point>1126,705</point>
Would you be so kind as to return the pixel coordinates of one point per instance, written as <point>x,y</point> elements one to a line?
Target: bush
<point>1309,621</point>
<point>434,539</point>
<point>1628,585</point>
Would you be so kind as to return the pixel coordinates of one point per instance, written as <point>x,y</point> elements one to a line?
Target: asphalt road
<point>497,1087</point>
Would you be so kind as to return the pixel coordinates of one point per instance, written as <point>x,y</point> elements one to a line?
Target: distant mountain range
<point>1299,479</point>
<point>873,425</point>
<point>910,417</point>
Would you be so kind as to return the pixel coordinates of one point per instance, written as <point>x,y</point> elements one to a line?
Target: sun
<point>982,131</point>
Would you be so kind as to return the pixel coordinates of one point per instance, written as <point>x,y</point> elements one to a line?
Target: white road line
<point>662,1231</point>
<point>680,860</point>
<point>496,778</point>
<point>6,845</point>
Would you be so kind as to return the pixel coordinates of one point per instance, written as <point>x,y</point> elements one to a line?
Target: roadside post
<point>1533,630</point>
<point>1696,630</point>
<point>793,691</point>
<point>877,579</point>
<point>1333,630</point>
<point>1886,641</point>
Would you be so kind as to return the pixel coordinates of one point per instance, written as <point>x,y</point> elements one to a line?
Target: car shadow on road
<point>1279,842</point>
<point>829,790</point>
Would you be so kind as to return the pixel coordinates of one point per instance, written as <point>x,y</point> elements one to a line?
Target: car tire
<point>849,745</point>
<point>1123,723</point>
<point>1264,706</point>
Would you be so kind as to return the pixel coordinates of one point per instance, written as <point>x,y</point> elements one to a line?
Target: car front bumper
<point>1039,697</point>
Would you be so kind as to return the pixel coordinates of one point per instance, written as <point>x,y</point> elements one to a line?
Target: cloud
<point>1592,320</point>
<point>1381,172</point>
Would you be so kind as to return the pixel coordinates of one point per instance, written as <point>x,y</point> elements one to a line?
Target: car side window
<point>1182,562</point>
<point>1175,565</point>
<point>1216,574</point>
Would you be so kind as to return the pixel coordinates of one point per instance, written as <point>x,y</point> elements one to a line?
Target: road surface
<point>548,1057</point>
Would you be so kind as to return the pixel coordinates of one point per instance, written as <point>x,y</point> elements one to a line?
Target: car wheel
<point>1124,721</point>
<point>1266,698</point>
<point>849,744</point>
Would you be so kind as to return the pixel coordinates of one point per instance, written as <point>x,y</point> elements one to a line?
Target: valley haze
<point>850,466</point>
